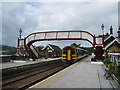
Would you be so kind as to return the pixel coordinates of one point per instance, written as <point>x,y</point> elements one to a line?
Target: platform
<point>83,74</point>
<point>17,63</point>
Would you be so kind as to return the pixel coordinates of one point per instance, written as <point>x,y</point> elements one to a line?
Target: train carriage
<point>70,54</point>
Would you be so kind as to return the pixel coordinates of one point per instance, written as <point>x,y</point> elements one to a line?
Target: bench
<point>108,72</point>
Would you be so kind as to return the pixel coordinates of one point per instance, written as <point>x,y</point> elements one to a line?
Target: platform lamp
<point>18,46</point>
<point>20,31</point>
<point>102,27</point>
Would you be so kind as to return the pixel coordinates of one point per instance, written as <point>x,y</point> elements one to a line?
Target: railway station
<point>74,68</point>
<point>60,45</point>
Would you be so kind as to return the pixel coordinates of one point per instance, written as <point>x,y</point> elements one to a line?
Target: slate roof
<point>53,47</point>
<point>110,41</point>
<point>106,36</point>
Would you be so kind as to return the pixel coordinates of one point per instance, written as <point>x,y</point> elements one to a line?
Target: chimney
<point>118,32</point>
<point>111,30</point>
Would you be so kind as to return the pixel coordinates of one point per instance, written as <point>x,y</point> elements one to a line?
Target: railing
<point>60,35</point>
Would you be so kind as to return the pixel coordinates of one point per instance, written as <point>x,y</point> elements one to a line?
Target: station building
<point>112,43</point>
<point>112,47</point>
<point>51,51</point>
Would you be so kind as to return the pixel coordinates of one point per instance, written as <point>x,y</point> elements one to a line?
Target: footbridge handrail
<point>59,35</point>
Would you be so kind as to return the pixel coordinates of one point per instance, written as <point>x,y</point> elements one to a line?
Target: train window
<point>73,51</point>
<point>64,51</point>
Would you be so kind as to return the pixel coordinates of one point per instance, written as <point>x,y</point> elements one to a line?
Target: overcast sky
<point>51,16</point>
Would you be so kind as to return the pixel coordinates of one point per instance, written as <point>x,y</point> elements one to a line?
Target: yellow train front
<point>70,54</point>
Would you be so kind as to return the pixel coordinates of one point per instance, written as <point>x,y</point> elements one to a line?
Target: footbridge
<point>26,43</point>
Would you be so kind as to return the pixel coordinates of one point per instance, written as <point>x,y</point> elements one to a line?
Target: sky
<point>56,16</point>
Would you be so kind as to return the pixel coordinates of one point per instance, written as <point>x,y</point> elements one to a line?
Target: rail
<point>25,80</point>
<point>35,75</point>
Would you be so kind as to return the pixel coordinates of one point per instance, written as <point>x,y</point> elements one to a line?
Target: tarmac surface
<point>84,74</point>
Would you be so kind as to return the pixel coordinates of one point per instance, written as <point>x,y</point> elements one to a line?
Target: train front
<point>69,55</point>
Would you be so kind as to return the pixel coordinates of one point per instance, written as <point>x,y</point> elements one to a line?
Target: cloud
<point>76,16</point>
<point>47,16</point>
<point>60,0</point>
<point>0,23</point>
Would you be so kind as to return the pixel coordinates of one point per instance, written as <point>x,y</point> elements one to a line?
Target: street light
<point>102,29</point>
<point>20,31</point>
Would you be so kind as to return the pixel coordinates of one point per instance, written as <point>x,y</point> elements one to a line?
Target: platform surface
<point>83,74</point>
<point>16,63</point>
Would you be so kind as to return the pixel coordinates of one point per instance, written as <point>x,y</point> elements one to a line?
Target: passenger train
<point>70,54</point>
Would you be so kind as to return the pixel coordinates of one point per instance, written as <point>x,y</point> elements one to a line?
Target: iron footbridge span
<point>25,44</point>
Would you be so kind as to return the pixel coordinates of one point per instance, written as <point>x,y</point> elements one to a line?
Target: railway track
<point>24,81</point>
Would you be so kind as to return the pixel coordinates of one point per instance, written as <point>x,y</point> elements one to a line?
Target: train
<point>71,54</point>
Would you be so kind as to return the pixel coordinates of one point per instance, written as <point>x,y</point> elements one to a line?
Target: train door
<point>68,54</point>
<point>71,55</point>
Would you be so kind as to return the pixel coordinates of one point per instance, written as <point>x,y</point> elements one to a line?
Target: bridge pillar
<point>29,50</point>
<point>99,48</point>
<point>21,51</point>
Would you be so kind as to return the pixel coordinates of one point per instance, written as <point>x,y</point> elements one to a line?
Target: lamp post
<point>102,29</point>
<point>20,31</point>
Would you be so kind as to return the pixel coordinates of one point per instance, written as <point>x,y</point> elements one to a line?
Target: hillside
<point>7,50</point>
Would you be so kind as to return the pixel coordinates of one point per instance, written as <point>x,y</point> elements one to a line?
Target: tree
<point>76,45</point>
<point>40,47</point>
<point>89,49</point>
<point>8,50</point>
